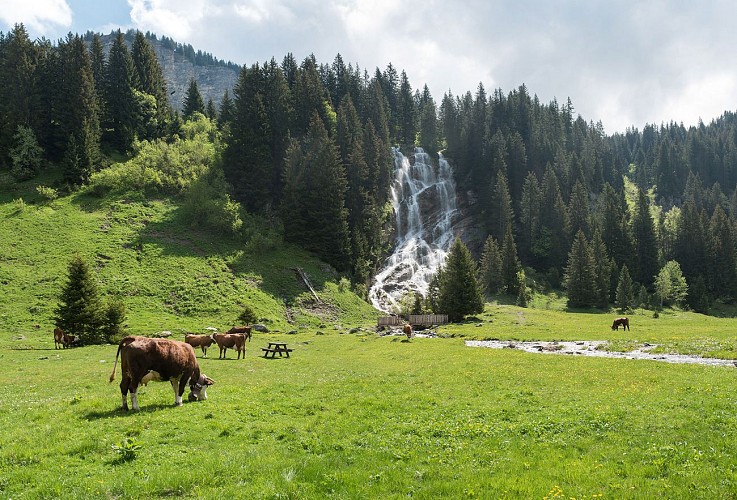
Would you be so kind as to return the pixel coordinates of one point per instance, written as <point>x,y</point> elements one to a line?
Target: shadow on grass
<point>119,412</point>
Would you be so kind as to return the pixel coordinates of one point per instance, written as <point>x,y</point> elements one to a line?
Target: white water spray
<point>424,204</point>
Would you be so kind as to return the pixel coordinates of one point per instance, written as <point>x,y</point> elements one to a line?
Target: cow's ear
<point>208,380</point>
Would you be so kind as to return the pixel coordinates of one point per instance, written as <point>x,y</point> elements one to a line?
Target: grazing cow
<point>201,341</point>
<point>407,330</point>
<point>144,359</point>
<point>245,330</point>
<point>623,322</point>
<point>235,341</point>
<point>68,340</point>
<point>58,338</point>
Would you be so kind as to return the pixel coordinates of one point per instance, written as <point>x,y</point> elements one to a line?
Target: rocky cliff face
<point>212,80</point>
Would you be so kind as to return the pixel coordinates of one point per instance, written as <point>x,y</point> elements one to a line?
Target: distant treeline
<point>308,144</point>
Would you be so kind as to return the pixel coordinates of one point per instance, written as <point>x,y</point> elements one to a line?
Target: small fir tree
<point>78,311</point>
<point>193,102</point>
<point>113,317</point>
<point>625,290</point>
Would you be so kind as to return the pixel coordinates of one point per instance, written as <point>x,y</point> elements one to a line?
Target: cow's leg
<point>124,384</point>
<point>134,385</point>
<point>204,351</point>
<point>176,385</point>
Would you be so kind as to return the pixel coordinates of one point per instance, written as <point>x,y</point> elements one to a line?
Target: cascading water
<point>424,206</point>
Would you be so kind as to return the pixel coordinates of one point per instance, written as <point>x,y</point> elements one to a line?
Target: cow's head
<point>199,388</point>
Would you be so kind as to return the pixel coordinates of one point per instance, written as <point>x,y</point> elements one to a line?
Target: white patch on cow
<point>152,375</point>
<point>134,401</point>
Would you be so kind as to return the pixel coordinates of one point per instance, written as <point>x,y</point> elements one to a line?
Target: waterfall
<point>424,204</point>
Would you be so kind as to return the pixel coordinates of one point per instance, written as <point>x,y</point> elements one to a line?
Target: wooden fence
<point>414,319</point>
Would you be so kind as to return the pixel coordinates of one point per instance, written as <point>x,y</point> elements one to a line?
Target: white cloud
<point>41,16</point>
<point>625,63</point>
<point>179,19</point>
<point>260,11</point>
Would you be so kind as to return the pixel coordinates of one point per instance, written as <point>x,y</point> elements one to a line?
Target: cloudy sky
<point>624,63</point>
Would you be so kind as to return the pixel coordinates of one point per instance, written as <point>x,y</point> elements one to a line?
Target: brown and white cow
<point>63,339</point>
<point>227,341</point>
<point>245,330</point>
<point>58,338</point>
<point>201,341</point>
<point>144,359</point>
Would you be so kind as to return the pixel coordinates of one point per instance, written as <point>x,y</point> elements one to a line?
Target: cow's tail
<point>124,342</point>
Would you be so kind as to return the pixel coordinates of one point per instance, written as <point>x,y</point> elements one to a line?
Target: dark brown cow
<point>143,359</point>
<point>58,338</point>
<point>68,340</point>
<point>235,341</point>
<point>201,341</point>
<point>407,330</point>
<point>245,330</point>
<point>623,322</point>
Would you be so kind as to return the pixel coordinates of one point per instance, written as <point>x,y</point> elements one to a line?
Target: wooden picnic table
<point>276,347</point>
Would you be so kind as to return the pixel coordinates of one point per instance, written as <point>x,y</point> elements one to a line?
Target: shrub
<point>27,155</point>
<point>47,193</point>
<point>247,315</point>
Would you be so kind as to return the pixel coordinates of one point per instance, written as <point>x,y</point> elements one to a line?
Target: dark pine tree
<point>193,102</point>
<point>490,267</point>
<point>580,276</point>
<point>120,103</point>
<point>646,249</point>
<point>625,290</point>
<point>150,78</point>
<point>314,212</point>
<point>722,248</point>
<point>226,111</point>
<point>79,307</point>
<point>459,292</point>
<point>510,264</point>
<point>18,62</point>
<point>78,112</point>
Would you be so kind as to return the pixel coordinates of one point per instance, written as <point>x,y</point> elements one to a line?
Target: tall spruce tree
<point>459,292</point>
<point>18,63</point>
<point>120,103</point>
<point>490,267</point>
<point>510,263</point>
<point>625,290</point>
<point>723,256</point>
<point>530,213</point>
<point>78,113</point>
<point>150,78</point>
<point>646,249</point>
<point>580,276</point>
<point>602,271</point>
<point>501,214</point>
<point>314,210</point>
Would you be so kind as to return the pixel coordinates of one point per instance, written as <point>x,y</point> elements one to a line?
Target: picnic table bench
<point>276,347</point>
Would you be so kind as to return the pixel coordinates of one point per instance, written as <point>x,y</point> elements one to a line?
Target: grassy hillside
<point>171,276</point>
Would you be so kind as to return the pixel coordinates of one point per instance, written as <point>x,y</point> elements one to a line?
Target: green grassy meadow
<point>348,415</point>
<point>363,416</point>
